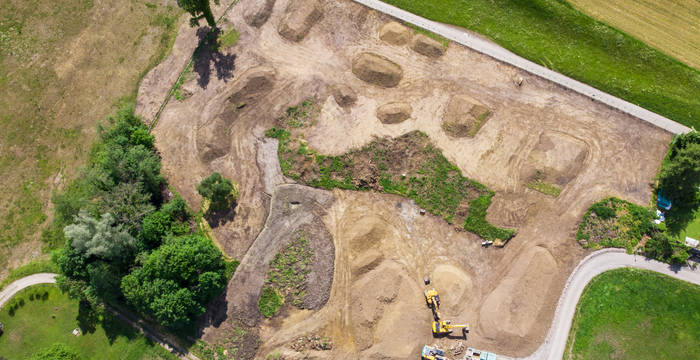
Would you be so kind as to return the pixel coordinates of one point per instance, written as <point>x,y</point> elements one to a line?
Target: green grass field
<point>40,323</point>
<point>636,314</point>
<point>693,229</point>
<point>556,35</point>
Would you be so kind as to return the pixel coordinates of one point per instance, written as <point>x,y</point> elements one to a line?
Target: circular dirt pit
<point>394,113</point>
<point>464,116</point>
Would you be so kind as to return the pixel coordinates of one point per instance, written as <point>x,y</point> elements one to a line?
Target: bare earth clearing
<point>383,247</point>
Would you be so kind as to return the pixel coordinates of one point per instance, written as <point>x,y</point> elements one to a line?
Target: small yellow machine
<point>432,353</point>
<point>444,327</point>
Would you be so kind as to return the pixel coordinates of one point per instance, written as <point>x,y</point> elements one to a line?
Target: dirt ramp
<point>376,69</point>
<point>464,116</point>
<point>258,14</point>
<point>512,309</point>
<point>299,18</point>
<point>394,113</point>
<point>394,33</point>
<point>427,46</point>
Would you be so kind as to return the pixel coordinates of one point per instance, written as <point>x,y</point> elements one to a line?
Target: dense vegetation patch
<point>679,180</point>
<point>636,314</point>
<point>556,35</point>
<point>408,165</point>
<point>41,329</point>
<point>286,279</point>
<point>124,243</point>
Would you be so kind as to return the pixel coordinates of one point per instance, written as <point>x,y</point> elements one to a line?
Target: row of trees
<point>123,243</point>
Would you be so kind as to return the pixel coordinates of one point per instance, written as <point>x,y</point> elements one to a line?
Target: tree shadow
<point>216,218</point>
<point>208,54</point>
<point>88,318</point>
<point>115,328</point>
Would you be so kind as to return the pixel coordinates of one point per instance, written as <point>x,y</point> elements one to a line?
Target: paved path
<point>593,265</point>
<point>49,278</point>
<point>464,37</point>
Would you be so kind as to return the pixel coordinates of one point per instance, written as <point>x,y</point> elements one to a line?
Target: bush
<point>603,211</point>
<point>270,302</point>
<point>57,351</point>
<point>219,190</point>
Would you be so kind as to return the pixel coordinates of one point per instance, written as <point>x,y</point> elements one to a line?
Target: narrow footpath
<point>464,37</point>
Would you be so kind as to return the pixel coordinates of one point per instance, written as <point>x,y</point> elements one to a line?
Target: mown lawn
<point>40,323</point>
<point>556,35</point>
<point>636,314</point>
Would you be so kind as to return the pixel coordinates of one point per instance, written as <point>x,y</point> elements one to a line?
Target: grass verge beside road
<point>636,314</point>
<point>47,319</point>
<point>556,35</point>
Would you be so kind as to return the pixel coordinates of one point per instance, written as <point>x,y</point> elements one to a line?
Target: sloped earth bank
<point>383,247</point>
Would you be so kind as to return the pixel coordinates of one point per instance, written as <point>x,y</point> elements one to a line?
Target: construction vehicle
<point>444,327</point>
<point>432,353</point>
<point>432,299</point>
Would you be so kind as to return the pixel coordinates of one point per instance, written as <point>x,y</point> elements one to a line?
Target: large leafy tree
<point>679,179</point>
<point>99,237</point>
<point>217,189</point>
<point>199,9</point>
<point>176,280</point>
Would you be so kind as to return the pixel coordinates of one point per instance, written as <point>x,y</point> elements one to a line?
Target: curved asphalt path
<point>464,37</point>
<point>49,278</point>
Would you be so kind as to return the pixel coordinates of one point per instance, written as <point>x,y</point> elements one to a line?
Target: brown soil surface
<point>464,116</point>
<point>376,69</point>
<point>344,95</point>
<point>258,14</point>
<point>383,247</point>
<point>427,46</point>
<point>394,113</point>
<point>395,34</point>
<point>298,19</point>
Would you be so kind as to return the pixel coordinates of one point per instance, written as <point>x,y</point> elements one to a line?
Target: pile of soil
<point>376,69</point>
<point>464,116</point>
<point>557,158</point>
<point>394,113</point>
<point>259,12</point>
<point>427,46</point>
<point>344,95</point>
<point>394,33</point>
<point>299,17</point>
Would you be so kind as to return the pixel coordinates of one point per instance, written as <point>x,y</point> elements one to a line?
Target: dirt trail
<point>383,247</point>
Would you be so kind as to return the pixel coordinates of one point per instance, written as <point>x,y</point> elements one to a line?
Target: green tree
<point>176,280</point>
<point>199,9</point>
<point>217,189</point>
<point>128,204</point>
<point>679,180</point>
<point>100,238</point>
<point>57,351</point>
<point>664,248</point>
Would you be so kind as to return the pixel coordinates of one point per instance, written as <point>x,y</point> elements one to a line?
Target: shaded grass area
<point>556,35</point>
<point>636,314</point>
<point>408,165</point>
<point>48,78</point>
<point>616,223</point>
<point>46,319</point>
<point>286,279</point>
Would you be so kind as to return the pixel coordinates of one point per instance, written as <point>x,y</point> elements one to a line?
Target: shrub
<point>270,302</point>
<point>603,211</point>
<point>219,190</point>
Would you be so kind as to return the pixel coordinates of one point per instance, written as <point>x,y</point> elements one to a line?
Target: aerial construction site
<point>427,186</point>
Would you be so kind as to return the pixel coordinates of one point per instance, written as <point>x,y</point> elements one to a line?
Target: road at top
<point>466,38</point>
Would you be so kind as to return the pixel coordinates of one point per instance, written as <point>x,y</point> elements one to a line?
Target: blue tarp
<point>662,202</point>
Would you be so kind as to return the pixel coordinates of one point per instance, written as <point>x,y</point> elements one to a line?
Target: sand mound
<point>298,19</point>
<point>344,95</point>
<point>453,286</point>
<point>259,12</point>
<point>464,116</point>
<point>514,306</point>
<point>557,158</point>
<point>427,46</point>
<point>395,33</point>
<point>377,70</point>
<point>394,113</point>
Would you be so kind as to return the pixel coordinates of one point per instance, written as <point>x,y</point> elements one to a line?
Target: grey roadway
<point>464,37</point>
<point>49,278</point>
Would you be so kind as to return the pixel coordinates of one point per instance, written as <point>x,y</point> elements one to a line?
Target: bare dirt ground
<point>383,247</point>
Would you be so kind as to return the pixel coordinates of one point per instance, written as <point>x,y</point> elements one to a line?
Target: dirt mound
<point>376,69</point>
<point>427,46</point>
<point>394,33</point>
<point>298,19</point>
<point>259,12</point>
<point>212,140</point>
<point>557,158</point>
<point>394,113</point>
<point>344,95</point>
<point>453,285</point>
<point>464,116</point>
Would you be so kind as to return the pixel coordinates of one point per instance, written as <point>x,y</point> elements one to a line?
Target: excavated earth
<point>375,249</point>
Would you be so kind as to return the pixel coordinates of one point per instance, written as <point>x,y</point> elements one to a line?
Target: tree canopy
<point>679,179</point>
<point>198,9</point>
<point>219,190</point>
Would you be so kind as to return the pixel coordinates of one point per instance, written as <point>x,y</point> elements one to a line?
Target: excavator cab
<point>432,353</point>
<point>432,299</point>
<point>445,327</point>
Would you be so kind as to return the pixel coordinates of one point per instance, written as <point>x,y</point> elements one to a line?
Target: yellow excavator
<point>432,299</point>
<point>444,327</point>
